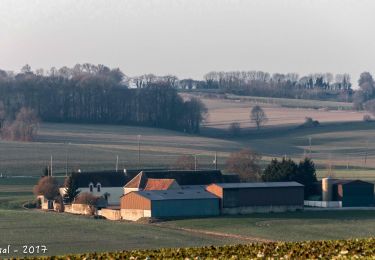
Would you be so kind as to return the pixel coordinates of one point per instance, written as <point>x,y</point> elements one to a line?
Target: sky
<point>189,38</point>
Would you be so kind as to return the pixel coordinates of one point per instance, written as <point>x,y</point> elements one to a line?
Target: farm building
<point>190,177</point>
<point>172,179</point>
<point>351,193</point>
<point>168,203</point>
<point>141,182</point>
<point>108,185</point>
<point>243,198</point>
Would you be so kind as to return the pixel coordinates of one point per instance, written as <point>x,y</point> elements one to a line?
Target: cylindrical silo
<point>327,189</point>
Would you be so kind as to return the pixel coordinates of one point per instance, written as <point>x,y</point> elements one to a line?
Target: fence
<point>323,204</point>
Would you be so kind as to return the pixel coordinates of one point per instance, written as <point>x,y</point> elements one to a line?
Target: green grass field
<point>291,226</point>
<point>64,233</point>
<point>349,147</point>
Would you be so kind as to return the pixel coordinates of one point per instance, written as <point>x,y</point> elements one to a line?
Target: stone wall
<point>81,209</point>
<point>111,214</point>
<point>135,214</point>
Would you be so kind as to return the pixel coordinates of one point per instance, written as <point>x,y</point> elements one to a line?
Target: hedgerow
<point>335,249</point>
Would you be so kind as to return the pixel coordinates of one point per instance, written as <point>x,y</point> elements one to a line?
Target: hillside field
<point>346,146</point>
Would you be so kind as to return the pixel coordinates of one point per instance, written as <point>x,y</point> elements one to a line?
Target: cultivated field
<point>223,112</point>
<point>291,226</point>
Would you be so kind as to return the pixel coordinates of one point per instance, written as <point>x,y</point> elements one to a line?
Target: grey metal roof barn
<point>237,198</point>
<point>169,204</point>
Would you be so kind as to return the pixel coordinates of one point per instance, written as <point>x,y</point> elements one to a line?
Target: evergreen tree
<point>283,170</point>
<point>307,175</point>
<point>71,188</point>
<point>288,170</point>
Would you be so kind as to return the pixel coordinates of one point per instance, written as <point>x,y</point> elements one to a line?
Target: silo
<point>327,189</point>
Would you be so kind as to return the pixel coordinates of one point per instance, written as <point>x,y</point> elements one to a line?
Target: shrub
<point>48,187</point>
<point>235,129</point>
<point>331,249</point>
<point>309,122</point>
<point>367,118</point>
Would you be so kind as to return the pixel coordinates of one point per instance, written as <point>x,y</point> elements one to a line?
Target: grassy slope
<point>63,233</point>
<point>96,147</point>
<point>290,226</point>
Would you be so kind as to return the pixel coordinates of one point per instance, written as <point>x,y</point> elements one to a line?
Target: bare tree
<point>258,116</point>
<point>24,128</point>
<point>48,187</point>
<point>185,162</point>
<point>245,163</point>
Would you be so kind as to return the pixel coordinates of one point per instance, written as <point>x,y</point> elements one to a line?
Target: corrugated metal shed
<point>234,195</point>
<point>170,203</point>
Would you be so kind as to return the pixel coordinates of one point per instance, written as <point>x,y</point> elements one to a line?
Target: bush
<point>367,118</point>
<point>235,129</point>
<point>331,249</point>
<point>48,187</point>
<point>309,122</point>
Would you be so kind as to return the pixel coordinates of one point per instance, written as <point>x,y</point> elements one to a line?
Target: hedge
<point>330,249</point>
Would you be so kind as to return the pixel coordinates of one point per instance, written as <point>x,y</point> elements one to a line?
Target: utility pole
<point>366,154</point>
<point>310,138</point>
<point>195,162</point>
<point>215,161</point>
<point>67,160</point>
<point>139,150</point>
<point>51,165</point>
<point>116,163</point>
<point>347,162</point>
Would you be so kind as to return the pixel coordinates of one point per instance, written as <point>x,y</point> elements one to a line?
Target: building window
<point>98,187</point>
<point>91,186</point>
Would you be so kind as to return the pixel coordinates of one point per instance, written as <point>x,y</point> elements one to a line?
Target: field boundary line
<point>215,233</point>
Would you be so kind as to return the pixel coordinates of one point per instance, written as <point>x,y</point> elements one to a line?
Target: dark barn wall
<point>185,208</point>
<point>356,194</point>
<point>244,197</point>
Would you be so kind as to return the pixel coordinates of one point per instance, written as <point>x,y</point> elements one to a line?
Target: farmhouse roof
<point>105,178</point>
<point>183,177</point>
<point>258,185</point>
<point>176,194</point>
<point>159,184</point>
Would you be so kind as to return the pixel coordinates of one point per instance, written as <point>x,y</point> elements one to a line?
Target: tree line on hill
<point>95,94</point>
<point>323,86</point>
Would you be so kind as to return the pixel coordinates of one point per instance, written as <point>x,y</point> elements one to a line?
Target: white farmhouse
<point>106,184</point>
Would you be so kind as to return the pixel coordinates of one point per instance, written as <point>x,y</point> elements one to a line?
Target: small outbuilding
<point>353,193</point>
<point>168,204</point>
<point>244,198</point>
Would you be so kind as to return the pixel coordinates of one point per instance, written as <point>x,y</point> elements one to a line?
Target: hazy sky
<point>190,37</point>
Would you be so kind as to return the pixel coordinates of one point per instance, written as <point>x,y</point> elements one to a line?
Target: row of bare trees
<point>96,94</point>
<point>291,85</point>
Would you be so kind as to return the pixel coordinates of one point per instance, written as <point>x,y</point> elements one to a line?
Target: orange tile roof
<point>158,184</point>
<point>136,181</point>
